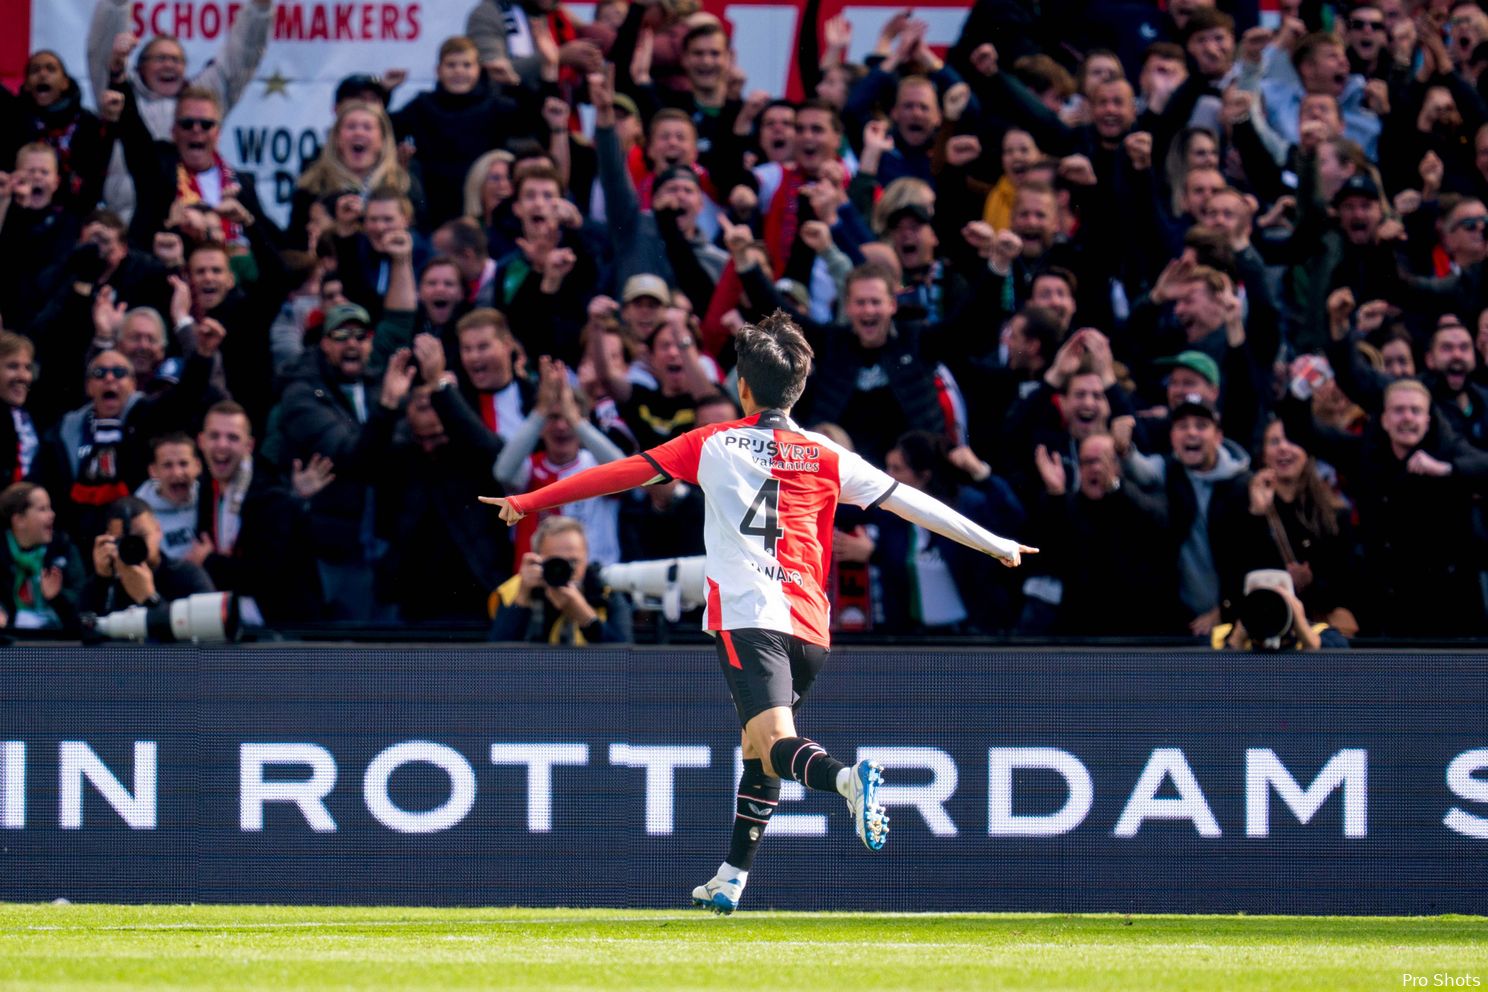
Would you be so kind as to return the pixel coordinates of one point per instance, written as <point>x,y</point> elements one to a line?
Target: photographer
<point>555,598</point>
<point>1272,618</point>
<point>131,570</point>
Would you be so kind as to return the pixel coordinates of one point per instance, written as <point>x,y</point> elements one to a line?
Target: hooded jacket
<point>177,521</point>
<point>1195,497</point>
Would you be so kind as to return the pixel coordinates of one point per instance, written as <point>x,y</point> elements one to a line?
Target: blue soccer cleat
<point>869,821</point>
<point>720,895</point>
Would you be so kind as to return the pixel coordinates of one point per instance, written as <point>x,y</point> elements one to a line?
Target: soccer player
<point>771,490</point>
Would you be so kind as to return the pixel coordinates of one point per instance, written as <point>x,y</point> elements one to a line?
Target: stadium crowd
<point>1170,294</point>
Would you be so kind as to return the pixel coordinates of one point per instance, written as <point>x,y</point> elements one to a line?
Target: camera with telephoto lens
<point>666,584</point>
<point>557,572</point>
<point>1265,612</point>
<point>202,618</point>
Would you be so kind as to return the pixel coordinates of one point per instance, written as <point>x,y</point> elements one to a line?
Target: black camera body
<point>133,550</point>
<point>557,572</point>
<point>86,262</point>
<point>131,547</point>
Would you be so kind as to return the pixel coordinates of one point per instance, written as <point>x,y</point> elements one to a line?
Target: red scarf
<point>1441,262</point>
<point>189,191</point>
<point>782,220</point>
<point>488,413</point>
<point>60,138</point>
<point>564,31</point>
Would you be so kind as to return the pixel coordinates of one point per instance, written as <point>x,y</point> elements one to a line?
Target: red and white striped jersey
<point>771,492</point>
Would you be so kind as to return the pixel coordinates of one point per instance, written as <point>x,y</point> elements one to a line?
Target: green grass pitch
<point>46,947</point>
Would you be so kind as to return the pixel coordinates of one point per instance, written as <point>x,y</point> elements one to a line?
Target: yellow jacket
<point>999,207</point>
<point>565,631</point>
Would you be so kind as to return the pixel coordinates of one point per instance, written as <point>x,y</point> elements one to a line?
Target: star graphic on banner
<point>276,84</point>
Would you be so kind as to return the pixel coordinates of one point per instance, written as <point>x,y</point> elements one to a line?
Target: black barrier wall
<point>1018,780</point>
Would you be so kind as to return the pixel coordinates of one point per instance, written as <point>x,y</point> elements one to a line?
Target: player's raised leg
<point>773,734</point>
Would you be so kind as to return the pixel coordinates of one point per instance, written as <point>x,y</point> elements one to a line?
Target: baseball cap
<point>358,85</point>
<point>169,370</point>
<point>346,313</point>
<point>918,211</point>
<point>1194,361</point>
<point>676,172</point>
<point>1269,578</point>
<point>1194,405</point>
<point>1356,185</point>
<point>795,292</point>
<point>625,104</point>
<point>646,284</point>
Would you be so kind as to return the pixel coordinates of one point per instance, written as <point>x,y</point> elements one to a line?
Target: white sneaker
<point>869,821</point>
<point>718,894</point>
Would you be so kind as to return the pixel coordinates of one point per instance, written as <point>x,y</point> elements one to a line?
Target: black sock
<point>758,796</point>
<point>807,762</point>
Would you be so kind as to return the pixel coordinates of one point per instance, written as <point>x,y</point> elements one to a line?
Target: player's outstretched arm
<point>602,480</point>
<point>933,515</point>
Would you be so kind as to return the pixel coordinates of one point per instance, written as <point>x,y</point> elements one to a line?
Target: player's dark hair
<point>774,359</point>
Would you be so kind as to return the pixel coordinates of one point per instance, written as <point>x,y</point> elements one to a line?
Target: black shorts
<point>765,668</point>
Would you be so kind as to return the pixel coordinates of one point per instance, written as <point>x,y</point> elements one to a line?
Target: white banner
<point>282,117</point>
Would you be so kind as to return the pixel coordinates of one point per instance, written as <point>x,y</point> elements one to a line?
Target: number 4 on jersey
<point>766,503</point>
